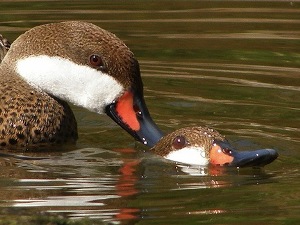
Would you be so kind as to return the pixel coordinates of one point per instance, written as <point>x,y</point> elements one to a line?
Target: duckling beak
<point>234,158</point>
<point>256,158</point>
<point>131,113</point>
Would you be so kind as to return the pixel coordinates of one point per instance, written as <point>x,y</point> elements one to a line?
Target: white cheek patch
<point>189,155</point>
<point>78,84</point>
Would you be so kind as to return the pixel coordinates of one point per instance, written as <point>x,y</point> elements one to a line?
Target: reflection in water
<point>90,181</point>
<point>100,184</point>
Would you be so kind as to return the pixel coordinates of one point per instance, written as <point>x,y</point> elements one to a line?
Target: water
<point>230,65</point>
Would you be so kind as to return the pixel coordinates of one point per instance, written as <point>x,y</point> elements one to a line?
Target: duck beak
<point>131,113</point>
<point>234,158</point>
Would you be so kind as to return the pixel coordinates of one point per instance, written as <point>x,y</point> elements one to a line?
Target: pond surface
<point>230,65</point>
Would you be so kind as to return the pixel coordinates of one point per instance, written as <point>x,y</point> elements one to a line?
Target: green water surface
<point>231,65</point>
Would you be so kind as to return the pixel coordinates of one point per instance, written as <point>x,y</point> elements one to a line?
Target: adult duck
<point>75,62</point>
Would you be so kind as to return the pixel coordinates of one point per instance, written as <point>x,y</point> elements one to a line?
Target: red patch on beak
<point>218,157</point>
<point>126,111</point>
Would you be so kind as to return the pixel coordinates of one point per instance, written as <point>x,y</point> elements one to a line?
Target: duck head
<point>80,63</point>
<point>203,146</point>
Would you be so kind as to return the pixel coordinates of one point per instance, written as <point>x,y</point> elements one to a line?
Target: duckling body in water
<point>203,146</point>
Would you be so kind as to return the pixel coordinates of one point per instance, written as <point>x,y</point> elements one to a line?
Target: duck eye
<point>179,142</point>
<point>97,62</point>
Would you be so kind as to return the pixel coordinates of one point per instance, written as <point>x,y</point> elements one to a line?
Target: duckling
<point>202,146</point>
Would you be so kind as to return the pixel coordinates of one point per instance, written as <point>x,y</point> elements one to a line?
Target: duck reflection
<point>107,185</point>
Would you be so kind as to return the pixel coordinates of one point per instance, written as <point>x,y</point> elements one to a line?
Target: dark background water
<point>231,65</point>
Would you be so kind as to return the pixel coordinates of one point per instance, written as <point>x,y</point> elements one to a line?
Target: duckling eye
<point>179,142</point>
<point>97,62</point>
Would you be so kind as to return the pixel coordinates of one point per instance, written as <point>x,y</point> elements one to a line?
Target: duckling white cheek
<point>189,155</point>
<point>78,84</point>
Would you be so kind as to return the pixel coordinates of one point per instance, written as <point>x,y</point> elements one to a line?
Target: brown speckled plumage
<point>30,118</point>
<point>194,136</point>
<point>4,46</point>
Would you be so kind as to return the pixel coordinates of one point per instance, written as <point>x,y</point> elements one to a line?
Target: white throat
<point>78,84</point>
<point>189,155</point>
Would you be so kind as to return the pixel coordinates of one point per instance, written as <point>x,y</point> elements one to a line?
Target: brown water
<point>230,65</point>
